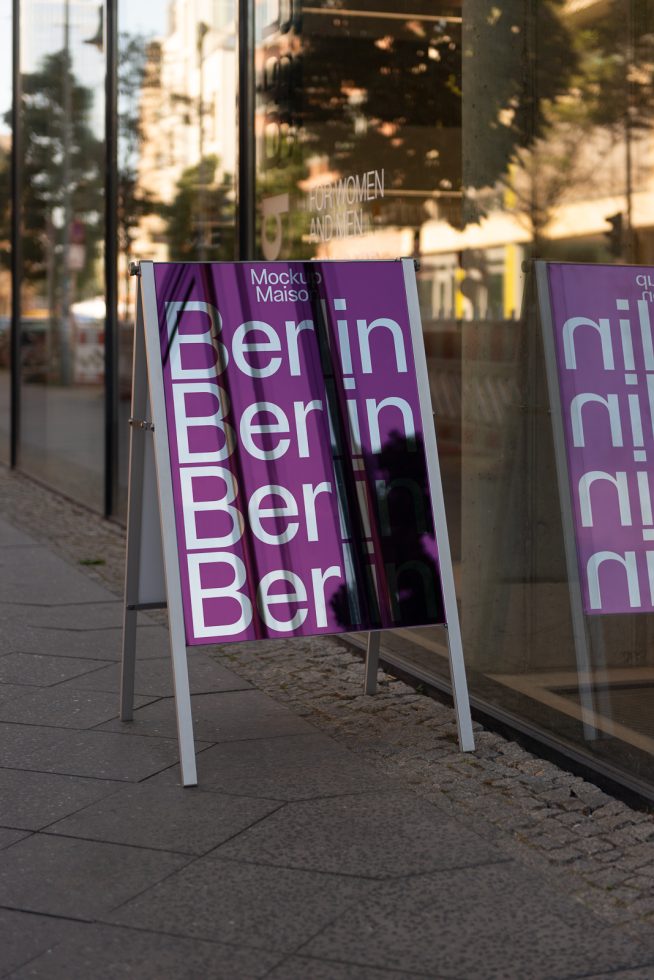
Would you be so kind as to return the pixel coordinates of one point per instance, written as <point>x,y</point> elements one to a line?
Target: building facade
<point>473,136</point>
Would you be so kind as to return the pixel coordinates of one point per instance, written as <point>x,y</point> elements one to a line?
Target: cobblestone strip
<point>584,841</point>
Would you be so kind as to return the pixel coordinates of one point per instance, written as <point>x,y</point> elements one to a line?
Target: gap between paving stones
<point>584,841</point>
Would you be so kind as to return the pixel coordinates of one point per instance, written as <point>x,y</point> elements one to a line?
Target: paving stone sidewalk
<point>333,836</point>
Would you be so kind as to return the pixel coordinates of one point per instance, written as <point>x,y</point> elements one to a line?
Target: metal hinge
<point>142,424</point>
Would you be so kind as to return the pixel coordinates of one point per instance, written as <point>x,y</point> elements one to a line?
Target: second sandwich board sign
<point>599,346</point>
<point>599,356</point>
<point>297,472</point>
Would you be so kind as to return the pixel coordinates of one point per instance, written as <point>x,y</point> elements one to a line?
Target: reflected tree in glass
<point>202,223</point>
<point>519,59</point>
<point>547,101</point>
<point>5,205</point>
<point>5,251</point>
<point>62,201</point>
<point>134,200</point>
<point>393,103</point>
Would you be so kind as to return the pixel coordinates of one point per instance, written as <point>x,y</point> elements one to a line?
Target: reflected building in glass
<point>473,137</point>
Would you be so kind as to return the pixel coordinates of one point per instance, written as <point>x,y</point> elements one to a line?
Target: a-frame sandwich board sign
<point>285,408</point>
<point>598,341</point>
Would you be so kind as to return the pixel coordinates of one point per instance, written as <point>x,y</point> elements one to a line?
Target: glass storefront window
<point>557,165</point>
<point>358,126</point>
<point>177,151</point>
<point>62,212</point>
<point>476,138</point>
<point>358,138</point>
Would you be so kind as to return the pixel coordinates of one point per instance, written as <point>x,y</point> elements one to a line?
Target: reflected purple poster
<point>301,488</point>
<point>601,319</point>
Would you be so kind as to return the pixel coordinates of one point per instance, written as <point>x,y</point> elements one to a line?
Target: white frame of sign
<point>152,538</point>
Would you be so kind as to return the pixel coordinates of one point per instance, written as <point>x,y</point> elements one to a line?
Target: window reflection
<point>62,211</point>
<point>472,136</point>
<point>358,126</point>
<point>563,171</point>
<point>477,137</point>
<point>177,150</point>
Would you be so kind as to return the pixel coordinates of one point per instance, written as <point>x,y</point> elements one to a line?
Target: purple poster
<point>604,349</point>
<point>301,490</point>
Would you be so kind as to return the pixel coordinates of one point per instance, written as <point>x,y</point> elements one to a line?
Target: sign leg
<point>459,687</point>
<point>457,668</point>
<point>168,534</point>
<point>129,666</point>
<point>134,513</point>
<point>372,662</point>
<point>183,705</point>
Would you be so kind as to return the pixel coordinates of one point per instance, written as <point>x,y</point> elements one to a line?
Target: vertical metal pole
<point>246,145</point>
<point>111,262</point>
<point>16,237</point>
<point>372,662</point>
<point>65,319</point>
<point>530,54</point>
<point>628,130</point>
<point>200,203</point>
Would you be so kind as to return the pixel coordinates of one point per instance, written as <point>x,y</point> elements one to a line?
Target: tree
<point>518,57</point>
<point>61,194</point>
<point>607,106</point>
<point>378,93</point>
<point>618,63</point>
<point>200,219</point>
<point>136,56</point>
<point>62,173</point>
<point>5,203</point>
<point>394,102</point>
